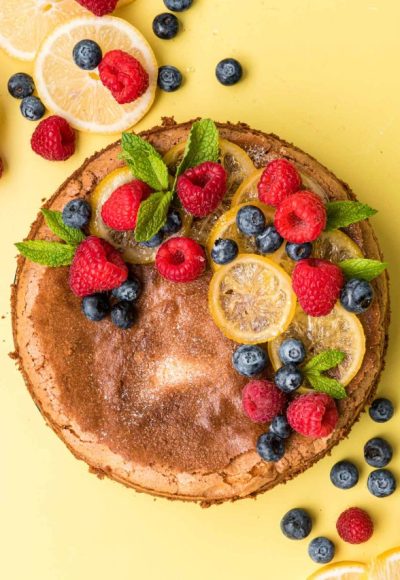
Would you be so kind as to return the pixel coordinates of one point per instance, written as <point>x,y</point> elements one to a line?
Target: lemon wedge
<point>386,566</point>
<point>341,571</point>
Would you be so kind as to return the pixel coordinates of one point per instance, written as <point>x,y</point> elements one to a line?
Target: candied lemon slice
<point>132,251</point>
<point>386,566</point>
<point>251,299</point>
<point>339,330</point>
<point>341,571</point>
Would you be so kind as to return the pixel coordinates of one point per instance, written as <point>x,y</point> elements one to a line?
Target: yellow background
<point>321,73</point>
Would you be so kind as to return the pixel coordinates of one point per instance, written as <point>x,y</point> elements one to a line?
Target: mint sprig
<point>152,215</point>
<point>144,161</point>
<point>320,363</point>
<point>55,222</point>
<point>202,145</point>
<point>327,385</point>
<point>51,254</point>
<point>362,268</point>
<point>343,213</point>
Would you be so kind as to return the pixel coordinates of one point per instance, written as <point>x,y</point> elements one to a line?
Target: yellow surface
<point>321,73</point>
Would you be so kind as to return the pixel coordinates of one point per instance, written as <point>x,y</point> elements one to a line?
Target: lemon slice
<point>251,299</point>
<point>78,95</point>
<point>132,251</point>
<point>339,330</point>
<point>386,566</point>
<point>341,571</point>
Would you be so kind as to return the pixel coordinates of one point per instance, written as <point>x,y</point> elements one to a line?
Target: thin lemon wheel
<point>339,330</point>
<point>386,566</point>
<point>251,299</point>
<point>341,571</point>
<point>132,251</point>
<point>78,95</point>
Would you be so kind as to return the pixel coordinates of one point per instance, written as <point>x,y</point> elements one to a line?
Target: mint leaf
<point>144,161</point>
<point>152,215</point>
<point>362,268</point>
<point>55,222</point>
<point>202,145</point>
<point>324,361</point>
<point>51,254</point>
<point>327,385</point>
<point>343,213</point>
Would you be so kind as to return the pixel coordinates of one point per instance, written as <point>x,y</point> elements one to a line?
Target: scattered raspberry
<point>278,180</point>
<point>53,139</point>
<point>180,260</point>
<point>313,415</point>
<point>355,526</point>
<point>124,76</point>
<point>120,210</point>
<point>99,7</point>
<point>301,217</point>
<point>96,267</point>
<point>317,284</point>
<point>202,188</point>
<point>262,401</point>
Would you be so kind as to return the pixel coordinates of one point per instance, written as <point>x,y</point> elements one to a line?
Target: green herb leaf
<point>327,385</point>
<point>55,222</point>
<point>202,145</point>
<point>144,161</point>
<point>51,254</point>
<point>152,215</point>
<point>324,361</point>
<point>343,213</point>
<point>362,268</point>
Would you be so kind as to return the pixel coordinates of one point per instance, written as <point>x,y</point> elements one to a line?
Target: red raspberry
<point>124,76</point>
<point>278,180</point>
<point>120,210</point>
<point>180,260</point>
<point>262,401</point>
<point>301,217</point>
<point>99,7</point>
<point>53,139</point>
<point>96,267</point>
<point>313,415</point>
<point>202,188</point>
<point>317,284</point>
<point>355,526</point>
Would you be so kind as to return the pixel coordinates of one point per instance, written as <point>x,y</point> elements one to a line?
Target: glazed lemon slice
<point>78,95</point>
<point>339,330</point>
<point>341,571</point>
<point>251,299</point>
<point>386,566</point>
<point>132,251</point>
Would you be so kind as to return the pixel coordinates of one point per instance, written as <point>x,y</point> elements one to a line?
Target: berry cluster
<point>21,86</point>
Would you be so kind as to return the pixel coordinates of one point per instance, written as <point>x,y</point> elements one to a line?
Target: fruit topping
<point>249,360</point>
<point>96,307</point>
<point>173,223</point>
<point>124,76</point>
<point>296,524</point>
<point>166,26</point>
<point>53,139</point>
<point>120,210</point>
<point>344,475</point>
<point>378,452</point>
<point>76,213</point>
<point>20,85</point>
<point>154,241</point>
<point>178,5</point>
<point>32,108</point>
<point>381,483</point>
<point>356,296</point>
<point>262,401</point>
<point>381,410</point>
<point>317,284</point>
<point>292,350</point>
<point>129,290</point>
<point>321,550</point>
<point>269,241</point>
<point>123,314</point>
<point>313,415</point>
<point>224,251</point>
<point>301,217</point>
<point>270,447</point>
<point>280,426</point>
<point>99,7</point>
<point>229,71</point>
<point>87,54</point>
<point>250,220</point>
<point>180,260</point>
<point>279,180</point>
<point>288,378</point>
<point>355,526</point>
<point>202,188</point>
<point>298,251</point>
<point>169,78</point>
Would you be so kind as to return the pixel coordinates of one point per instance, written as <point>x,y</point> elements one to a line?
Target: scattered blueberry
<point>249,360</point>
<point>87,54</point>
<point>293,351</point>
<point>344,475</point>
<point>129,290</point>
<point>381,410</point>
<point>169,78</point>
<point>224,251</point>
<point>357,295</point>
<point>298,251</point>
<point>229,71</point>
<point>123,314</point>
<point>95,307</point>
<point>250,220</point>
<point>378,452</point>
<point>288,378</point>
<point>155,241</point>
<point>173,223</point>
<point>166,26</point>
<point>270,447</point>
<point>178,5</point>
<point>32,108</point>
<point>269,240</point>
<point>296,524</point>
<point>280,426</point>
<point>381,482</point>
<point>76,214</point>
<point>321,550</point>
<point>20,86</point>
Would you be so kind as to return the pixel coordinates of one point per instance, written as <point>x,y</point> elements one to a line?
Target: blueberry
<point>357,295</point>
<point>178,5</point>
<point>224,251</point>
<point>321,550</point>
<point>20,86</point>
<point>95,307</point>
<point>378,452</point>
<point>288,378</point>
<point>293,351</point>
<point>87,54</point>
<point>173,223</point>
<point>249,360</point>
<point>129,290</point>
<point>76,214</point>
<point>169,78</point>
<point>250,220</point>
<point>298,251</point>
<point>270,447</point>
<point>229,71</point>
<point>166,26</point>
<point>269,240</point>
<point>381,482</point>
<point>381,410</point>
<point>344,475</point>
<point>296,524</point>
<point>280,427</point>
<point>123,314</point>
<point>32,108</point>
<point>155,241</point>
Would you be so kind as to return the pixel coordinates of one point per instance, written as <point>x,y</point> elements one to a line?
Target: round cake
<point>158,407</point>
